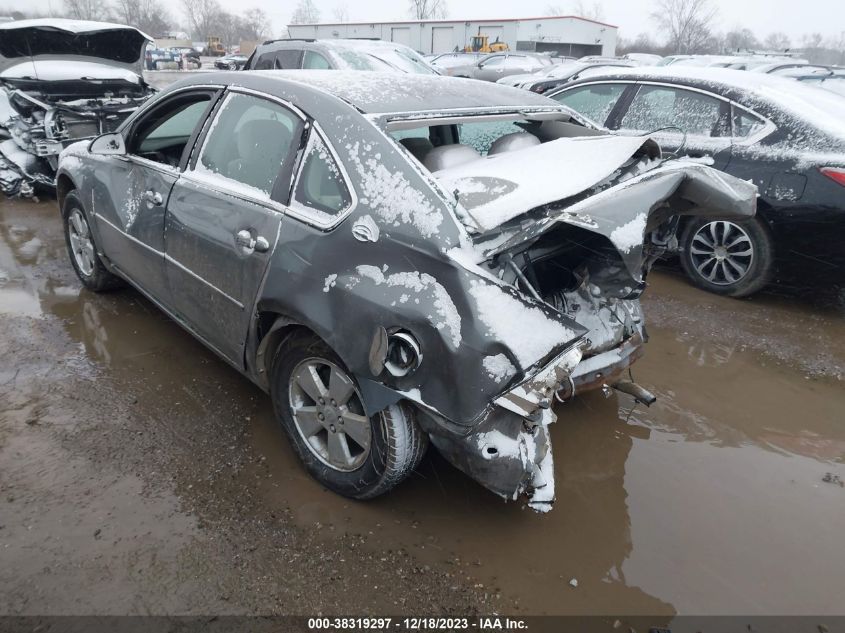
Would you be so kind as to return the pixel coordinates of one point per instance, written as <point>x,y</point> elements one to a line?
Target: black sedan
<point>788,138</point>
<point>231,62</point>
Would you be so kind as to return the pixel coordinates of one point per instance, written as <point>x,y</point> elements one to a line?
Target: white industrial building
<point>568,35</point>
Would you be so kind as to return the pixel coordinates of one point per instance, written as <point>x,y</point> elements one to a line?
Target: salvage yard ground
<point>127,487</point>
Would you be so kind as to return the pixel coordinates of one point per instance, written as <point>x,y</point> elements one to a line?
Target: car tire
<point>82,249</point>
<point>733,259</point>
<point>395,444</point>
<point>232,66</point>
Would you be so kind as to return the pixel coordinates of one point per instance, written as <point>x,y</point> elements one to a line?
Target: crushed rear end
<point>583,246</point>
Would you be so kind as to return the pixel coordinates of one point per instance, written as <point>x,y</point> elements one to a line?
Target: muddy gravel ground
<point>139,474</point>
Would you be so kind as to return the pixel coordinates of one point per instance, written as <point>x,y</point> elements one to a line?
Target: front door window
<point>162,135</point>
<point>248,144</point>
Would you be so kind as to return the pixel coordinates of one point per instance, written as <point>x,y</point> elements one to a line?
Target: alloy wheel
<point>721,252</point>
<point>81,243</point>
<point>329,415</point>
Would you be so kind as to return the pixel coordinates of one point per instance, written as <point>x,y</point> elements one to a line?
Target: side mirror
<point>108,145</point>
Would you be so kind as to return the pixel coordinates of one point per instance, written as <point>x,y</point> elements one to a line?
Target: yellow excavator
<point>481,44</point>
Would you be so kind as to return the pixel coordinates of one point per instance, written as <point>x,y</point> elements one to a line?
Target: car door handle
<point>244,239</point>
<point>153,197</point>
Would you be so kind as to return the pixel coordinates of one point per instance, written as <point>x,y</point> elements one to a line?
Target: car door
<point>777,179</point>
<point>225,213</point>
<point>515,65</point>
<point>491,68</point>
<point>130,192</point>
<point>684,121</point>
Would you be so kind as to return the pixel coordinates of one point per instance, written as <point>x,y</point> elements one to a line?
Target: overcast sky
<point>631,16</point>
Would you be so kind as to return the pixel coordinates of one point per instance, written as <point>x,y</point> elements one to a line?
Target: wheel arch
<point>64,185</point>
<point>272,329</point>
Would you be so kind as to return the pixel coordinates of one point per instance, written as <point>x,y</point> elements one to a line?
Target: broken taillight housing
<point>403,354</point>
<point>837,174</point>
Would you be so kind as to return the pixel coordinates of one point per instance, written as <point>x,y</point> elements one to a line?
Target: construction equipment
<point>215,47</point>
<point>481,44</point>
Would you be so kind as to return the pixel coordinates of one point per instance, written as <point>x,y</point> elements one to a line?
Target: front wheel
<point>735,259</point>
<point>83,249</point>
<point>320,407</point>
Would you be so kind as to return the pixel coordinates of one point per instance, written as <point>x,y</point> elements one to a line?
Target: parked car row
<point>164,58</point>
<point>718,116</point>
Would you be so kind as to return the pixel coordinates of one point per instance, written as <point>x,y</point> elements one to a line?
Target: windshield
<point>404,60</point>
<point>383,60</point>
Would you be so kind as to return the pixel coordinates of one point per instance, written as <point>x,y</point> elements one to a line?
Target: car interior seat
<point>513,142</point>
<point>262,145</point>
<point>418,147</point>
<point>447,156</point>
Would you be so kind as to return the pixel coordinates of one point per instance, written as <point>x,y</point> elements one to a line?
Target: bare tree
<point>204,17</point>
<point>306,12</point>
<point>688,23</point>
<point>86,9</point>
<point>341,13</point>
<point>640,44</point>
<point>777,41</point>
<point>256,25</point>
<point>592,11</point>
<point>427,9</point>
<point>148,15</point>
<point>812,40</point>
<point>740,39</point>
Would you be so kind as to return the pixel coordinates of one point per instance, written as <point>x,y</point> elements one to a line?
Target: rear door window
<point>315,61</point>
<point>288,59</point>
<point>595,101</point>
<point>321,190</point>
<point>746,124</point>
<point>249,142</point>
<point>662,107</point>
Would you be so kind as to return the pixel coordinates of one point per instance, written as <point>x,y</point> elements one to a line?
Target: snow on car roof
<point>824,111</point>
<point>71,26</point>
<point>382,93</point>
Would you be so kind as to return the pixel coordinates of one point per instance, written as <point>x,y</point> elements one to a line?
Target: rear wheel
<point>320,407</point>
<point>83,249</point>
<point>734,259</point>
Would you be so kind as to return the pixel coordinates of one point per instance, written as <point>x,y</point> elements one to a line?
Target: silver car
<point>497,65</point>
<point>395,259</point>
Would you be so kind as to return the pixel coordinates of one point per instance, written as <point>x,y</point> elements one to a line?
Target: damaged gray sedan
<point>393,259</point>
<point>62,81</point>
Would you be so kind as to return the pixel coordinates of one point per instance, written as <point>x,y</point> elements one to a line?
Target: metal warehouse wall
<point>441,36</point>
